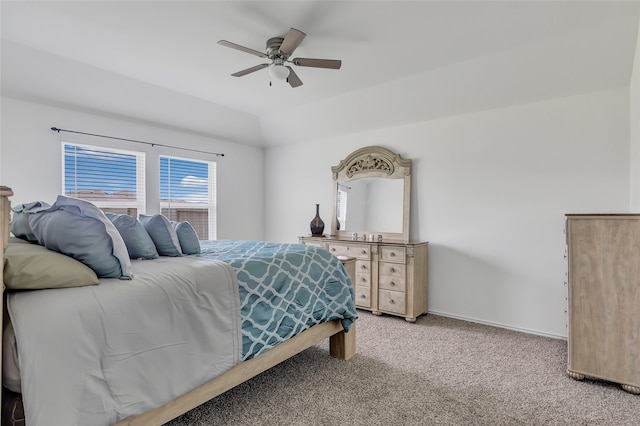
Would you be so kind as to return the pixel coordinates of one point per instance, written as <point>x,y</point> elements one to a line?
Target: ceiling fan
<point>278,51</point>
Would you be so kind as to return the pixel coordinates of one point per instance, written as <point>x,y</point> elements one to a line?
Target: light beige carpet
<point>438,371</point>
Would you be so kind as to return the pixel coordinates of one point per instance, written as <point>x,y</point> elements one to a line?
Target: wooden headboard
<point>5,211</point>
<point>5,219</point>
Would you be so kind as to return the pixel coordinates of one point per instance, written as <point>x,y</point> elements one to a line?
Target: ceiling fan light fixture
<point>278,72</point>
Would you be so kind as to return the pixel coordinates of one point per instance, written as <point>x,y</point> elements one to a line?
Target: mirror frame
<point>374,161</point>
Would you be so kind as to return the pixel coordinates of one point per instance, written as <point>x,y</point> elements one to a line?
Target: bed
<point>146,344</point>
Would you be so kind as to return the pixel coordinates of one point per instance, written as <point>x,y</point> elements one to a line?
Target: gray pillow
<point>162,234</point>
<point>139,243</point>
<point>20,219</point>
<point>79,229</point>
<point>189,242</point>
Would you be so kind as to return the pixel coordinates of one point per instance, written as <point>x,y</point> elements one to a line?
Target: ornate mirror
<point>372,193</point>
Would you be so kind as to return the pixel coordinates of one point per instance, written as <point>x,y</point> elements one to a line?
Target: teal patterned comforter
<point>284,289</point>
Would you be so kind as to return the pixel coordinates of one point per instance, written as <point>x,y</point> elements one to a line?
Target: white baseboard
<point>493,324</point>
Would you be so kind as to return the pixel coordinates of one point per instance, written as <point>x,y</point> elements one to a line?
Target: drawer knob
<point>363,279</point>
<point>363,266</point>
<point>333,249</point>
<point>392,270</point>
<point>392,284</point>
<point>362,296</point>
<point>364,252</point>
<point>392,301</point>
<point>392,254</point>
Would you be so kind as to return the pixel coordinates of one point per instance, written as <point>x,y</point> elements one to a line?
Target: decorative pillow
<point>139,243</point>
<point>30,266</point>
<point>162,234</point>
<point>81,230</point>
<point>20,219</point>
<point>187,236</point>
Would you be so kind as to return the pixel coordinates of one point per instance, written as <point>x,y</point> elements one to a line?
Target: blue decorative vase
<point>317,225</point>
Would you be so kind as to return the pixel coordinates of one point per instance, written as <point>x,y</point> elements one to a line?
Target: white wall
<point>490,190</point>
<point>31,159</point>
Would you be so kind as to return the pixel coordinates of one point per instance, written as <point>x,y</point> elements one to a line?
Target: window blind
<point>113,180</point>
<point>188,193</point>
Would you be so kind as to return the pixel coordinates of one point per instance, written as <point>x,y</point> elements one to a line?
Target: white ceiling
<point>158,62</point>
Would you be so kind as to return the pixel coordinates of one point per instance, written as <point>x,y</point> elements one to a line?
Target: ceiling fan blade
<point>291,41</point>
<point>293,79</point>
<point>334,64</point>
<point>242,48</point>
<point>249,70</point>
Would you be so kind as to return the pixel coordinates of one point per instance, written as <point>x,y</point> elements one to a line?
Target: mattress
<point>98,354</point>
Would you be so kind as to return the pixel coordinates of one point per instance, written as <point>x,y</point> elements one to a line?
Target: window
<point>114,180</point>
<point>111,179</point>
<point>188,193</point>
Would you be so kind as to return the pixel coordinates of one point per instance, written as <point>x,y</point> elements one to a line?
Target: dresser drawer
<point>363,279</point>
<point>363,267</point>
<point>392,283</point>
<point>392,254</point>
<point>392,301</point>
<point>360,251</point>
<point>391,270</point>
<point>339,249</point>
<point>363,296</point>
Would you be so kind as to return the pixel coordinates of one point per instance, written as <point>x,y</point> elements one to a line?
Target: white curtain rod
<point>55,129</point>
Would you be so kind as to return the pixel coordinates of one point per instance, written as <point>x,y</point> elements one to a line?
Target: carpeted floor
<point>438,371</point>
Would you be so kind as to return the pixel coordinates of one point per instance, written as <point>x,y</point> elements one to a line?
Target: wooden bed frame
<point>342,345</point>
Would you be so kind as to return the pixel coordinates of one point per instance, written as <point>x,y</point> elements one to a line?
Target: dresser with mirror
<point>371,218</point>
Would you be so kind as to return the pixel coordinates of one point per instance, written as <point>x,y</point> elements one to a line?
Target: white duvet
<point>98,354</point>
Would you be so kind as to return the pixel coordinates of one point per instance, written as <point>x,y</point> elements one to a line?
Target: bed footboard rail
<point>342,345</point>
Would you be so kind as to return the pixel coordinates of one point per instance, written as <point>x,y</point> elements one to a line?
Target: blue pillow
<point>139,243</point>
<point>79,229</point>
<point>162,234</point>
<point>189,242</point>
<point>20,219</point>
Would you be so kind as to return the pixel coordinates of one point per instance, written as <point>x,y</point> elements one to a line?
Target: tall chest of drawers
<point>390,278</point>
<point>604,298</point>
